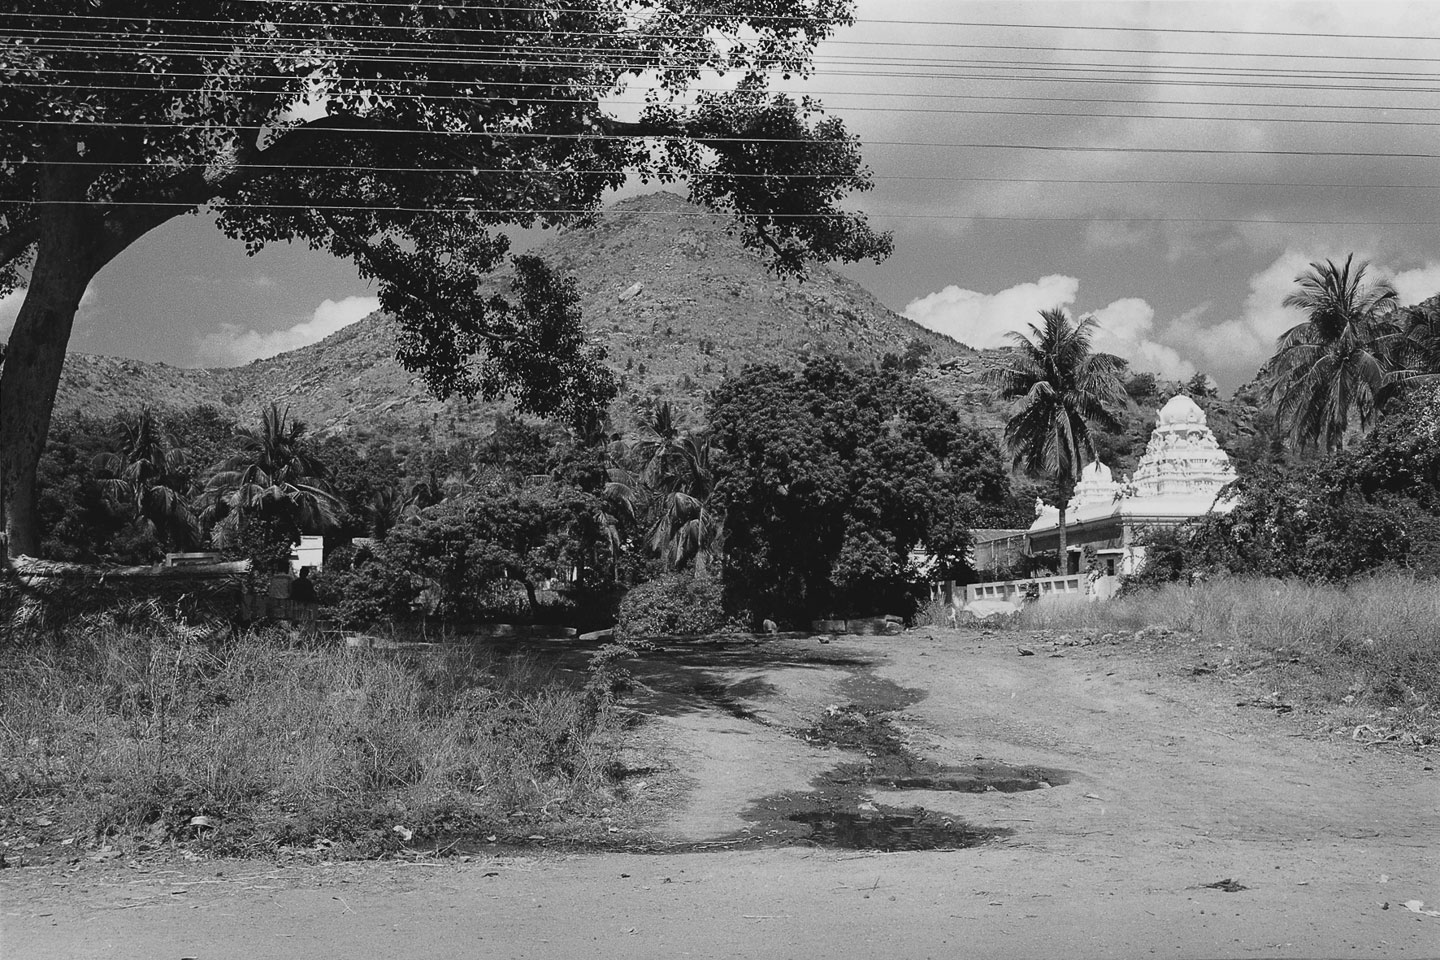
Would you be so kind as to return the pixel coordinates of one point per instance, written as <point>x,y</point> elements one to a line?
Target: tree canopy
<point>403,137</point>
<point>830,476</point>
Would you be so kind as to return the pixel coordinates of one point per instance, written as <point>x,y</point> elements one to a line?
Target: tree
<point>1334,364</point>
<point>675,468</point>
<point>829,478</point>
<point>145,484</point>
<point>1059,387</point>
<point>404,137</point>
<point>274,481</point>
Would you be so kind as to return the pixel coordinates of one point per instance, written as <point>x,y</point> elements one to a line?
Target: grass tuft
<point>1370,650</point>
<point>133,724</point>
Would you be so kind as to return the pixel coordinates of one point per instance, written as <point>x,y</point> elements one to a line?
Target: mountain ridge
<point>676,301</point>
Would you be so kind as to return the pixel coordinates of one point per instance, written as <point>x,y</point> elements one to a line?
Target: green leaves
<point>831,476</point>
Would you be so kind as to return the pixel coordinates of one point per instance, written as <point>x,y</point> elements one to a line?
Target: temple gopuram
<point>1178,479</point>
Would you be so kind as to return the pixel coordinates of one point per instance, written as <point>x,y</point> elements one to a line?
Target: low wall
<point>1075,585</point>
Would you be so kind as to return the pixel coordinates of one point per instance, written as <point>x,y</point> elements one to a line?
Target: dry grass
<point>140,724</point>
<point>1369,651</point>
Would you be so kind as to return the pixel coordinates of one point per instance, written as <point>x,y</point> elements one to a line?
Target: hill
<point>677,302</point>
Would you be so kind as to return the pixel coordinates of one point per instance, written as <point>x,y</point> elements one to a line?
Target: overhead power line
<point>944,111</point>
<point>510,8</point>
<point>600,171</point>
<point>526,135</point>
<point>1148,81</point>
<point>639,34</point>
<point>631,86</point>
<point>592,58</point>
<point>568,212</point>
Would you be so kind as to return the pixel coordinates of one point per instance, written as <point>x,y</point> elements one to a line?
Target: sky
<point>1169,168</point>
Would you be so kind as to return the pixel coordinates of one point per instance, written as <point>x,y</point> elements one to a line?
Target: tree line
<point>810,491</point>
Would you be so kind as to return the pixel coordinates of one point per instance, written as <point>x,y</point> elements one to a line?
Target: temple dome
<point>1183,457</point>
<point>1180,410</point>
<point>1096,486</point>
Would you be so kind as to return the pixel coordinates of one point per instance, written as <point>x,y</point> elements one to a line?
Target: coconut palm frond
<point>1343,360</point>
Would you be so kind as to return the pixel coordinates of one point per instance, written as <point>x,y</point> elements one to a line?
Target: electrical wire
<point>575,212</point>
<point>630,86</point>
<point>943,111</point>
<point>512,32</point>
<point>528,135</point>
<point>599,171</point>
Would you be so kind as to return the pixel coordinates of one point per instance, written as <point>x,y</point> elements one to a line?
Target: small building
<point>1178,479</point>
<point>309,553</point>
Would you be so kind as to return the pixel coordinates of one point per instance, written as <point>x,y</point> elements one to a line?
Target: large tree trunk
<point>75,241</point>
<point>66,260</point>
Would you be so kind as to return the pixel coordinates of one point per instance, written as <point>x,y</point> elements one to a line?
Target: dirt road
<point>1147,786</point>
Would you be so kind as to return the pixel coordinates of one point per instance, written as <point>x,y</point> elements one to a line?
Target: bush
<point>678,603</point>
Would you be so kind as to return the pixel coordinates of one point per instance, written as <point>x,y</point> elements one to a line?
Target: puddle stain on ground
<point>837,819</point>
<point>838,814</point>
<point>719,695</point>
<point>889,762</point>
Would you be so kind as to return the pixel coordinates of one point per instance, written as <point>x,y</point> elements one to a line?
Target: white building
<point>1178,479</point>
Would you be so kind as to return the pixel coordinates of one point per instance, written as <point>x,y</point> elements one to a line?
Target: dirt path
<point>1170,787</point>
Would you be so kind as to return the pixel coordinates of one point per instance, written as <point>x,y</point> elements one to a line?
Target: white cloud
<point>1239,345</point>
<point>983,320</point>
<point>1416,285</point>
<point>1124,329</point>
<point>233,346</point>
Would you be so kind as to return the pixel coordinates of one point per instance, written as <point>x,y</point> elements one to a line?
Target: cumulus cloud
<point>1126,327</point>
<point>233,345</point>
<point>1237,346</point>
<point>983,320</point>
<point>1418,284</point>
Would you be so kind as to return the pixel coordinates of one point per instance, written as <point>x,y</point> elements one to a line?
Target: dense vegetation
<point>831,476</point>
<point>542,522</point>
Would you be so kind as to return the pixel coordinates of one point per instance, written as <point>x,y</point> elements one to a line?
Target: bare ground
<point>1171,786</point>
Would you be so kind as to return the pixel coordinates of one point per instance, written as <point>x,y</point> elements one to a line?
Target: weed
<point>1369,649</point>
<point>145,724</point>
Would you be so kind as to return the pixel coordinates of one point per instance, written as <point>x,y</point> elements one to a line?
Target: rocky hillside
<point>677,302</point>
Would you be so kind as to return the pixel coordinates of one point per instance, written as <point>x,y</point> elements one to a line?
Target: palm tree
<point>675,467</point>
<point>144,481</point>
<point>274,476</point>
<point>1339,361</point>
<point>1419,349</point>
<point>1059,387</point>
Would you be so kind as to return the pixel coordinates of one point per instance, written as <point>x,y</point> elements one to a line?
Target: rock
<point>631,291</point>
<point>1025,651</point>
<point>598,636</point>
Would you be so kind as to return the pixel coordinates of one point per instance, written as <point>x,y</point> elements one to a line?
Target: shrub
<point>678,603</point>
